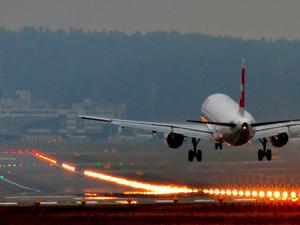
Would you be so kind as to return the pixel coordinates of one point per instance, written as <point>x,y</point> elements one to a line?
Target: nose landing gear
<point>218,145</point>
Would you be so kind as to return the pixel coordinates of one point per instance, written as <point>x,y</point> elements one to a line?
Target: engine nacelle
<point>174,140</point>
<point>279,140</point>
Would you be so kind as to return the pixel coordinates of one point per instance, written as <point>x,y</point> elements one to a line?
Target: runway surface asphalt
<point>27,180</point>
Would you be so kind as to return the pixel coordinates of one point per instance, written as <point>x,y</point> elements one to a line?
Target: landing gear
<point>191,155</point>
<point>195,153</point>
<point>269,155</point>
<point>264,152</point>
<point>260,154</point>
<point>218,145</point>
<point>199,155</point>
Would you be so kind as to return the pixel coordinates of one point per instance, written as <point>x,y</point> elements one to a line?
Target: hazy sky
<point>241,18</point>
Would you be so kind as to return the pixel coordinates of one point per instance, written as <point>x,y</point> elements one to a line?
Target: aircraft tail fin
<point>242,94</point>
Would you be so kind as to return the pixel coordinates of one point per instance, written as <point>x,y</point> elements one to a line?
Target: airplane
<point>223,120</point>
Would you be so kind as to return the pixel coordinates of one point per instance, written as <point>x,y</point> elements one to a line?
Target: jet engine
<point>279,140</point>
<point>174,140</point>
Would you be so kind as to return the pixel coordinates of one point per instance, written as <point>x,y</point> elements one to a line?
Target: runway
<point>29,180</point>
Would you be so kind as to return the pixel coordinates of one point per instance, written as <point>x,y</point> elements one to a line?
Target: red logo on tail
<point>242,97</point>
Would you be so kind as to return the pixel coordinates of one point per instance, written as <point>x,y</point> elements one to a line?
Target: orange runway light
<point>284,194</point>
<point>205,191</point>
<point>211,191</point>
<point>139,193</point>
<point>247,193</point>
<point>269,194</point>
<point>228,192</point>
<point>100,198</point>
<point>88,194</point>
<point>126,202</point>
<point>223,192</point>
<point>217,192</point>
<point>276,194</point>
<point>293,194</point>
<point>234,192</point>
<point>143,193</point>
<point>162,189</point>
<point>53,161</point>
<point>261,194</point>
<point>68,167</point>
<point>254,194</point>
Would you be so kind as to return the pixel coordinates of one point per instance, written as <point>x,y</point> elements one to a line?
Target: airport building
<point>27,120</point>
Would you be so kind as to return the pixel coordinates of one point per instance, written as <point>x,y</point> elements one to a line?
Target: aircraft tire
<point>199,155</point>
<point>191,155</point>
<point>269,155</point>
<point>260,155</point>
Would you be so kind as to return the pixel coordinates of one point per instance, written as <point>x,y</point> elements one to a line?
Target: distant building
<point>24,119</point>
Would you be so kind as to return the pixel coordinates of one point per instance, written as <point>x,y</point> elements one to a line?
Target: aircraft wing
<point>189,130</point>
<point>268,130</point>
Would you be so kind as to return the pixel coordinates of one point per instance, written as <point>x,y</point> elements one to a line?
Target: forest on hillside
<point>158,75</point>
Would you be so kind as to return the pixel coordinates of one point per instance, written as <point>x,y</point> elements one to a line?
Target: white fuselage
<point>222,108</point>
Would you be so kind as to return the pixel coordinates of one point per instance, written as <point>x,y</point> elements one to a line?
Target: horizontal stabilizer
<point>102,119</point>
<point>273,122</point>
<point>213,123</point>
<point>252,125</point>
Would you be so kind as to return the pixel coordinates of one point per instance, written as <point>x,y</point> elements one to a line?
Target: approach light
<point>269,194</point>
<point>254,193</point>
<point>261,194</point>
<point>228,192</point>
<point>68,167</point>
<point>247,193</point>
<point>284,194</point>
<point>234,192</point>
<point>276,194</point>
<point>293,194</point>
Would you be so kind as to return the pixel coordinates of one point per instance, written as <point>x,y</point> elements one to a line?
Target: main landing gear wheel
<point>191,155</point>
<point>269,155</point>
<point>194,153</point>
<point>264,152</point>
<point>199,155</point>
<point>260,154</point>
